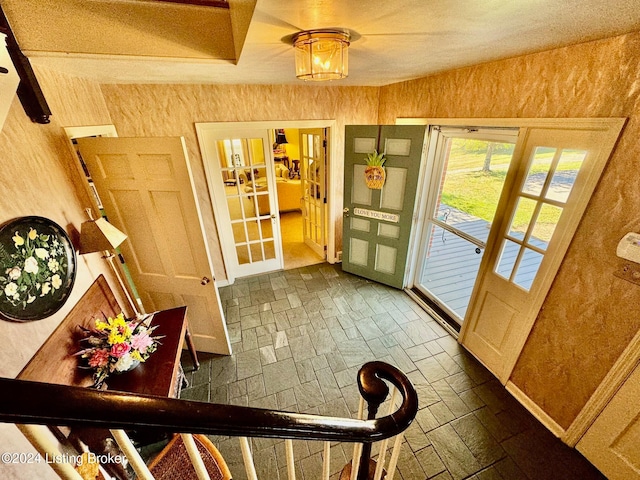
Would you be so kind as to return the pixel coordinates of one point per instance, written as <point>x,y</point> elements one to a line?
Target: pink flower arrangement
<point>119,350</point>
<point>142,342</point>
<point>116,345</point>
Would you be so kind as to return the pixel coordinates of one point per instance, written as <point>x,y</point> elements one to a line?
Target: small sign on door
<point>389,217</point>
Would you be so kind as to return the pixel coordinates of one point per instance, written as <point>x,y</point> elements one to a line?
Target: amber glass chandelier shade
<point>322,55</point>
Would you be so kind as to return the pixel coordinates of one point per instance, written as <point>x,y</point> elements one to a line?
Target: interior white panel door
<point>147,191</point>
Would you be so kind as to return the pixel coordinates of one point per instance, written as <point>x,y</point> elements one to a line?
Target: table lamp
<point>100,236</point>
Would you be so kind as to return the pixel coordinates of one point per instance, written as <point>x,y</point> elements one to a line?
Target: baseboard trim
<point>535,410</point>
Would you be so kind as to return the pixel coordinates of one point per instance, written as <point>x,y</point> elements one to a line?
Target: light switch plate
<point>629,272</point>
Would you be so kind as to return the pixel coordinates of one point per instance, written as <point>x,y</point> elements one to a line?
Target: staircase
<point>388,405</point>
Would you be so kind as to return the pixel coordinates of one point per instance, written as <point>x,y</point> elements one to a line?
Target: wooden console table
<point>55,363</point>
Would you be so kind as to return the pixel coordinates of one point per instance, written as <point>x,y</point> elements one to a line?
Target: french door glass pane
<point>522,217</point>
<point>256,252</point>
<point>507,259</point>
<point>538,170</point>
<point>527,268</point>
<point>243,254</point>
<point>235,208</point>
<point>545,225</point>
<point>253,231</point>
<point>256,152</point>
<point>267,228</point>
<point>309,144</point>
<point>269,250</point>
<point>565,174</point>
<point>239,233</point>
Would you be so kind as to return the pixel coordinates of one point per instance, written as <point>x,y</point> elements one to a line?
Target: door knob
<point>204,281</point>
<point>346,212</point>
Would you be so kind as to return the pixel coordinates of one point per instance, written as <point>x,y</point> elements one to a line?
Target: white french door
<point>240,173</point>
<point>558,167</point>
<point>555,167</point>
<point>313,159</point>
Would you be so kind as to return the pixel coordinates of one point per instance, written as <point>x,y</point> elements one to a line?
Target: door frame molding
<point>332,179</point>
<point>613,380</point>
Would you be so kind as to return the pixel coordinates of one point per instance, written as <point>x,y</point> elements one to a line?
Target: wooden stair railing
<point>33,403</point>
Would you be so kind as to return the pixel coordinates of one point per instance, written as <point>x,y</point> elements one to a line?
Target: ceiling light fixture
<point>322,54</point>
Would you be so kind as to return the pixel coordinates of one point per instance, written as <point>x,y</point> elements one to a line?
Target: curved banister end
<point>374,390</point>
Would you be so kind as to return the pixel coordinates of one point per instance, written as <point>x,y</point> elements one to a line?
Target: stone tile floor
<point>299,337</point>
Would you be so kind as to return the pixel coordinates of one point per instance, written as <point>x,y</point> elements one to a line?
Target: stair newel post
<point>374,391</point>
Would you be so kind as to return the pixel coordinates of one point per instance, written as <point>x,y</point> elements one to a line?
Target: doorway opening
<point>469,169</point>
<point>300,162</point>
<point>277,180</point>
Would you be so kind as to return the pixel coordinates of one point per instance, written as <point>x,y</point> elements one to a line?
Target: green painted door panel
<point>377,223</point>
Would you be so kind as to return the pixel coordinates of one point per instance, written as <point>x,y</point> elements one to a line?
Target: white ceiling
<point>393,41</point>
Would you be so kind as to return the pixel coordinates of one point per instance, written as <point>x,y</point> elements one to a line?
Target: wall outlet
<point>629,272</point>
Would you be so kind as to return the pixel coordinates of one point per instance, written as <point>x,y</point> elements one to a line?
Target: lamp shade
<point>321,54</point>
<point>280,137</point>
<point>99,235</point>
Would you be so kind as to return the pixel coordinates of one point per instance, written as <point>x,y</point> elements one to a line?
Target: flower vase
<point>133,366</point>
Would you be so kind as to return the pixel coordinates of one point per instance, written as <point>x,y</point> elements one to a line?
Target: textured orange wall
<point>171,110</point>
<point>39,177</point>
<point>590,315</point>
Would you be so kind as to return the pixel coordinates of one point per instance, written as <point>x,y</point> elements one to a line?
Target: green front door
<point>377,222</point>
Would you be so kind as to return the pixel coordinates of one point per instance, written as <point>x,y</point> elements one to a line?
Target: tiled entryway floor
<point>300,336</point>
